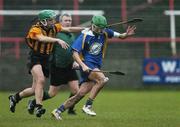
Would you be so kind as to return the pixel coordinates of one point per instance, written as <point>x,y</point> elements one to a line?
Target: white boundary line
<point>172,12</point>
<point>35,12</point>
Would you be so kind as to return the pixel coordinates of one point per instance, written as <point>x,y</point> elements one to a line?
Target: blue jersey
<point>92,47</point>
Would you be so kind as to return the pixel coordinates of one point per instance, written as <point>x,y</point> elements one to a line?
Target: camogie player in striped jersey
<point>41,39</point>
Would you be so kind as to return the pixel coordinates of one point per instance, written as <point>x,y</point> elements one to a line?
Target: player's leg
<point>84,89</point>
<point>62,76</point>
<point>100,80</point>
<point>74,87</point>
<point>56,79</point>
<point>73,83</point>
<point>37,73</point>
<point>53,91</point>
<point>14,99</point>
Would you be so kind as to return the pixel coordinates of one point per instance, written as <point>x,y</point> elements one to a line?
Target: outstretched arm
<point>72,29</point>
<point>45,39</point>
<point>129,32</point>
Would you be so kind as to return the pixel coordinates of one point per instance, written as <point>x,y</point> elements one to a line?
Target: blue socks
<point>61,108</point>
<point>89,102</point>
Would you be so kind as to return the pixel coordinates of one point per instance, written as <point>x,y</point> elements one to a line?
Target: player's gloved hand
<point>63,44</point>
<point>75,65</point>
<point>86,69</point>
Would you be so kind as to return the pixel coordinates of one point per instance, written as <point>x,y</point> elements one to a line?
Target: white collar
<point>87,31</point>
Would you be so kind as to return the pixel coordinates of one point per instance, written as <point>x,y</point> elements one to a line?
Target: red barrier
<point>145,40</point>
<point>16,41</point>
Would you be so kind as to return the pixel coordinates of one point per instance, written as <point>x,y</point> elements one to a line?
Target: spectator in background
<point>91,44</point>
<point>61,71</point>
<point>41,39</point>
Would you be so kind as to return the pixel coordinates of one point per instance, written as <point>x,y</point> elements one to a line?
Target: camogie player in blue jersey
<point>88,51</point>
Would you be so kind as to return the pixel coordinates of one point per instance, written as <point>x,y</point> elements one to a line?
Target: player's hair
<point>29,25</point>
<point>64,14</point>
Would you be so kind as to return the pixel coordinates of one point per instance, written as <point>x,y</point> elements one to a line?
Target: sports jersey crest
<point>95,48</point>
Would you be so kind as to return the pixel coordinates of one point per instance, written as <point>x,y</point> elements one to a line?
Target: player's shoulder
<point>87,32</point>
<point>58,27</point>
<point>57,24</point>
<point>35,28</point>
<point>108,30</point>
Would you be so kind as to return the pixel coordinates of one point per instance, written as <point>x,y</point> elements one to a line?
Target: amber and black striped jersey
<point>42,47</point>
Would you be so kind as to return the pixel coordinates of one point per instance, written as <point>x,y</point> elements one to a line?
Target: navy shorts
<point>85,75</point>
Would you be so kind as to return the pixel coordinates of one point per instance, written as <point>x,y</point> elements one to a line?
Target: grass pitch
<point>113,108</point>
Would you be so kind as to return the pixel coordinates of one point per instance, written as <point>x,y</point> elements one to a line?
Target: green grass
<point>113,108</point>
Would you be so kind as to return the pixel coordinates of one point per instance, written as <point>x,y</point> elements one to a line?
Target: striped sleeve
<point>58,27</point>
<point>33,32</point>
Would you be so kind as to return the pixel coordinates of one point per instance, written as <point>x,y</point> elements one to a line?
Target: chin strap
<point>44,22</point>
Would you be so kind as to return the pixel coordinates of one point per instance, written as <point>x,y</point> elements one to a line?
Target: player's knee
<point>103,80</point>
<point>40,80</point>
<point>80,94</point>
<point>33,88</point>
<point>74,91</point>
<point>52,94</point>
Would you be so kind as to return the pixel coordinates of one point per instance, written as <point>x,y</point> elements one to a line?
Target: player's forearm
<point>124,35</point>
<point>46,39</point>
<point>73,29</point>
<point>77,58</point>
<point>119,35</point>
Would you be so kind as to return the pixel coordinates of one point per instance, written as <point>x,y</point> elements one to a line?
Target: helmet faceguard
<point>99,22</point>
<point>47,17</point>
